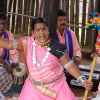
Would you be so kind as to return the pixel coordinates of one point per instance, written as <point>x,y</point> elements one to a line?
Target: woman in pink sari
<point>44,59</point>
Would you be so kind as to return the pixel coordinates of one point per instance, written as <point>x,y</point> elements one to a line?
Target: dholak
<point>19,75</point>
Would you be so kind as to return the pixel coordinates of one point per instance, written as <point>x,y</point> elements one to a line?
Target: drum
<point>19,75</point>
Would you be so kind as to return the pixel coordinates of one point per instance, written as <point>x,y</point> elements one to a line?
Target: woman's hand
<point>87,86</point>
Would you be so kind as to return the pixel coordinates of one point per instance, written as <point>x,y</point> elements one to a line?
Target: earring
<point>33,34</point>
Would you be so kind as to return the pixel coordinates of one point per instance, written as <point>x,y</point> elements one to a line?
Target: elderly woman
<point>44,59</point>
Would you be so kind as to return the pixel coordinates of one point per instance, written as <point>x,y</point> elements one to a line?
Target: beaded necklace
<point>45,56</point>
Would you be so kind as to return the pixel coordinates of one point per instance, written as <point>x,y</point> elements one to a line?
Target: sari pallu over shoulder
<point>23,53</point>
<point>51,70</point>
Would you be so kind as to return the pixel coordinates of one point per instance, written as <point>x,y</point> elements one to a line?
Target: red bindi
<point>38,21</point>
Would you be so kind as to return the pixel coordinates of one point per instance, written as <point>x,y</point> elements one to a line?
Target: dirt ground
<point>77,91</point>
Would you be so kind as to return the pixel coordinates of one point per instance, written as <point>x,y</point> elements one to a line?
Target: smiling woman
<point>43,58</point>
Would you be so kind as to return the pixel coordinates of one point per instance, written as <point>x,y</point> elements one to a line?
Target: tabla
<point>19,75</point>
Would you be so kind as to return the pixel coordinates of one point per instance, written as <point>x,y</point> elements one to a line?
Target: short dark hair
<point>38,20</point>
<point>2,16</point>
<point>61,13</point>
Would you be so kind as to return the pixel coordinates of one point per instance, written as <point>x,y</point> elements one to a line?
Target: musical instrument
<point>19,74</point>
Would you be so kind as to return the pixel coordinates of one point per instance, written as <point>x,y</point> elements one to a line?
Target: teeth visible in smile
<point>42,37</point>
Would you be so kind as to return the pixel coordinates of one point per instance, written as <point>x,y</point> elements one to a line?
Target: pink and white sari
<point>46,82</point>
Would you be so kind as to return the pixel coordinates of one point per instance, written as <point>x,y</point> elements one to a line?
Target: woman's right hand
<point>87,86</point>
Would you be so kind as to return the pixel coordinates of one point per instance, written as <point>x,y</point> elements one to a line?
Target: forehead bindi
<point>40,25</point>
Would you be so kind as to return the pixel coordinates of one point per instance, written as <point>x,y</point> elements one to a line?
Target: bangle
<point>81,79</point>
<point>68,64</point>
<point>14,44</point>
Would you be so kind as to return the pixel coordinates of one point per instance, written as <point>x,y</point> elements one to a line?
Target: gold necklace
<point>45,43</point>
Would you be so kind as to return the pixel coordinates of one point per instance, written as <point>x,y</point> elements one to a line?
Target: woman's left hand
<point>88,86</point>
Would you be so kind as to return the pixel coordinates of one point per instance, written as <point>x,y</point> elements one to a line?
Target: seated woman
<point>44,59</point>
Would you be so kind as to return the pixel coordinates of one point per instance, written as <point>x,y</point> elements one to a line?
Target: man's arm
<point>76,49</point>
<point>6,65</point>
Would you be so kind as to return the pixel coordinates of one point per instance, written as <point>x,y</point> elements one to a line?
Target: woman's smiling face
<point>40,32</point>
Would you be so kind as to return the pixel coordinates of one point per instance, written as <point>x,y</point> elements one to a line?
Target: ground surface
<point>86,62</point>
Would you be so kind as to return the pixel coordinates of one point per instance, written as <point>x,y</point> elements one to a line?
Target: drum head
<point>19,71</point>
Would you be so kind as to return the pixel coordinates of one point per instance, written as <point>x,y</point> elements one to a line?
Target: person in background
<point>5,73</point>
<point>45,60</point>
<point>68,37</point>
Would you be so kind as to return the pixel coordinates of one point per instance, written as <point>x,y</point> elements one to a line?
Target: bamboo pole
<point>72,14</point>
<point>21,15</point>
<point>83,22</point>
<point>77,26</point>
<point>90,77</point>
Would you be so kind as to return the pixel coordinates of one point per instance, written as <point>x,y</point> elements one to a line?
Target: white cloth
<point>97,66</point>
<point>97,97</point>
<point>98,58</point>
<point>1,96</point>
<point>98,61</point>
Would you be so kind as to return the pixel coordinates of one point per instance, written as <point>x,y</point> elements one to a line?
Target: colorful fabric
<point>6,51</point>
<point>29,92</point>
<point>13,53</point>
<point>50,70</point>
<point>76,47</point>
<point>5,81</point>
